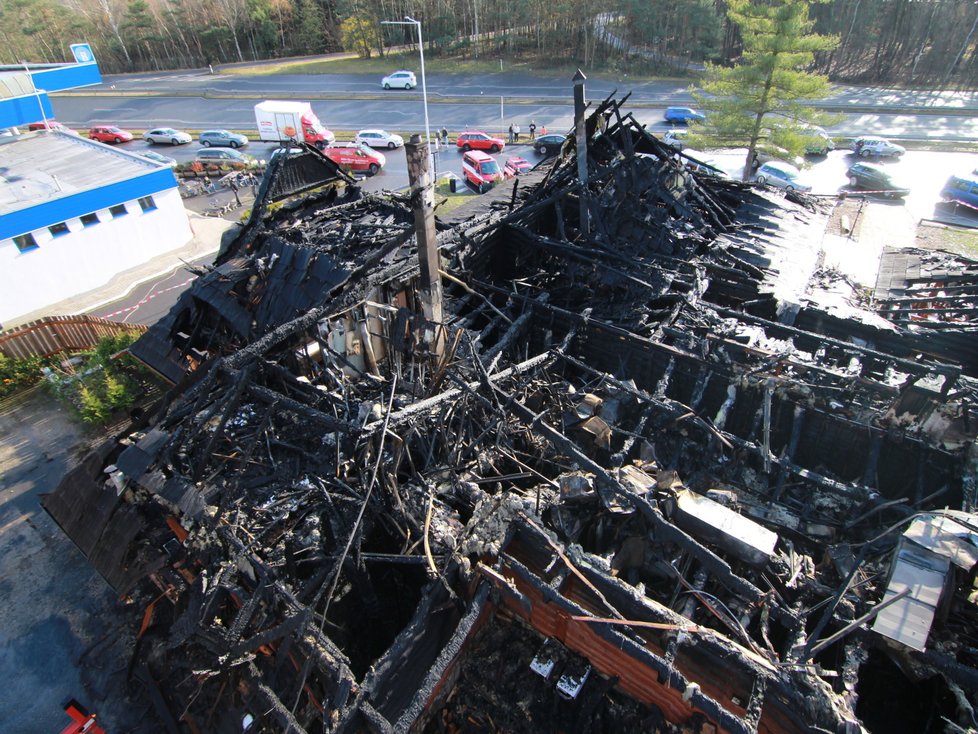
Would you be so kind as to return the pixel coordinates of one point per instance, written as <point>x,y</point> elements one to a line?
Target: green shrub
<point>18,374</point>
<point>101,385</point>
<point>91,406</point>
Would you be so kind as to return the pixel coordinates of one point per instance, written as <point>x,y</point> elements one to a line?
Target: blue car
<point>683,115</point>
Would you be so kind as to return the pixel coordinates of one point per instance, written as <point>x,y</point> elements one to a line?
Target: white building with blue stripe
<point>74,212</point>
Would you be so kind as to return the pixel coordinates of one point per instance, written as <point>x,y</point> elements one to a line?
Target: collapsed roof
<point>632,484</point>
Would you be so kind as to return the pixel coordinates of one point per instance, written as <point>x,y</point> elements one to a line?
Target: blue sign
<point>83,53</point>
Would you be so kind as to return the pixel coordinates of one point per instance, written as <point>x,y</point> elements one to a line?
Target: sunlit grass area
<point>382,65</point>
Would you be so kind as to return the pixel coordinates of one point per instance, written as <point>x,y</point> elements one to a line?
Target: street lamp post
<point>408,20</point>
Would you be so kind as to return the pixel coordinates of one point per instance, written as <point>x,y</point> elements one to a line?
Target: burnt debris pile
<point>629,483</point>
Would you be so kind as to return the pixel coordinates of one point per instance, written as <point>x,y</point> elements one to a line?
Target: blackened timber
<point>241,381</point>
<point>408,412</point>
<point>916,368</point>
<point>281,402</point>
<point>272,704</point>
<point>675,685</point>
<point>664,529</point>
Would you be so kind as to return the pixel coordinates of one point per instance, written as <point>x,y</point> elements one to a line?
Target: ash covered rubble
<point>619,488</point>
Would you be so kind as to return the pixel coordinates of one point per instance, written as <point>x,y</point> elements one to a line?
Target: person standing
<point>516,133</point>
<point>444,136</point>
<point>511,132</point>
<point>533,131</point>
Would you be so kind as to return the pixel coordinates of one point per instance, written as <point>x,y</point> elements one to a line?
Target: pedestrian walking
<point>533,131</point>
<point>516,133</point>
<point>511,132</point>
<point>543,129</point>
<point>444,136</point>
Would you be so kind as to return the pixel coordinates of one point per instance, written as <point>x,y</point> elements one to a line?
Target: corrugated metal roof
<point>46,166</point>
<point>944,535</point>
<point>909,620</point>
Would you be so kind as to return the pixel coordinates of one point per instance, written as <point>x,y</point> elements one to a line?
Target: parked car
<point>402,79</point>
<point>674,138</point>
<point>872,145</point>
<point>222,139</point>
<point>167,136</point>
<point>481,170</point>
<point>51,125</point>
<point>819,143</point>
<point>379,139</point>
<point>109,134</point>
<point>548,144</point>
<point>962,188</point>
<point>224,157</point>
<point>355,157</point>
<point>871,177</point>
<point>781,174</point>
<point>700,163</point>
<point>515,165</point>
<point>683,115</point>
<point>157,158</point>
<point>478,140</point>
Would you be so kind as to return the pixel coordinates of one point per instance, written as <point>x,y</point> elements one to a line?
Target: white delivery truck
<point>286,121</point>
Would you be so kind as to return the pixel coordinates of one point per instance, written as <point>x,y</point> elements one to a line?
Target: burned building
<point>633,480</point>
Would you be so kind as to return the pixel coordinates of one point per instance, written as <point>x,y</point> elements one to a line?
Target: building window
<point>147,203</point>
<point>119,210</point>
<point>59,229</point>
<point>88,220</point>
<point>25,242</point>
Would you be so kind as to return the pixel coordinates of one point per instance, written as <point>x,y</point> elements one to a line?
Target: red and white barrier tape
<point>149,297</point>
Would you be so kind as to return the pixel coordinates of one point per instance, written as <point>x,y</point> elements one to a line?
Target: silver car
<point>781,174</point>
<point>152,155</point>
<point>166,136</point>
<point>379,139</point>
<point>222,139</point>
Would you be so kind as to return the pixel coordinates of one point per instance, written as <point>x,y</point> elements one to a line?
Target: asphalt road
<point>503,83</point>
<point>197,99</point>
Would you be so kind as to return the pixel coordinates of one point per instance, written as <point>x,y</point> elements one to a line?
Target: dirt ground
<point>929,235</point>
<point>62,633</point>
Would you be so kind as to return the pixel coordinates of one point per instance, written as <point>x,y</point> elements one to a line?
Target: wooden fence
<point>54,334</point>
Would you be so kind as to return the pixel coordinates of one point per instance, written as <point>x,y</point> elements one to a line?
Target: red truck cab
<point>314,132</point>
<point>355,157</point>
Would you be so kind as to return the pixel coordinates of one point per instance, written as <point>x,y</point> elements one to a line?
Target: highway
<point>348,102</point>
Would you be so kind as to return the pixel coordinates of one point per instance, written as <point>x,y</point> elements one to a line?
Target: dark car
<point>683,115</point>
<point>222,139</point>
<point>876,179</point>
<point>548,144</point>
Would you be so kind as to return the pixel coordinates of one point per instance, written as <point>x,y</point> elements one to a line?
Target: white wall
<point>87,257</point>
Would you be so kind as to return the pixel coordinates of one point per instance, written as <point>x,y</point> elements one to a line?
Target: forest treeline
<point>921,43</point>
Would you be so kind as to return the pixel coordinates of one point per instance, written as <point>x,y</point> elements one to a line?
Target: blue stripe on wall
<point>85,202</point>
<point>67,77</point>
<point>16,111</point>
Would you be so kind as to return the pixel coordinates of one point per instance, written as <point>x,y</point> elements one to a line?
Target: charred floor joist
<point>642,485</point>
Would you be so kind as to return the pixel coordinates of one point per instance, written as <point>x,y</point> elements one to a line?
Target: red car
<point>481,170</point>
<point>355,157</point>
<point>109,134</point>
<point>515,166</point>
<point>476,140</point>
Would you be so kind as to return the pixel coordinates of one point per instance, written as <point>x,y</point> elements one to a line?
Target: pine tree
<point>760,102</point>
